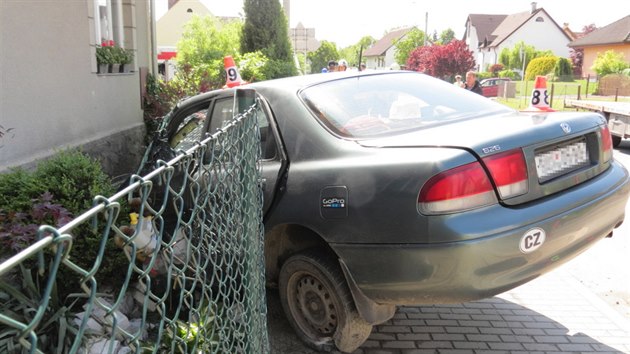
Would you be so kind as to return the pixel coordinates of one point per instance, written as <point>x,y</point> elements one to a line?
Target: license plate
<point>561,160</point>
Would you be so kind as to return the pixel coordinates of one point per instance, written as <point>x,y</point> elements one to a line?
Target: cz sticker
<point>532,240</point>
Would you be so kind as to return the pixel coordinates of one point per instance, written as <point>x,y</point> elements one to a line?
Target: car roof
<point>293,83</point>
<point>496,78</point>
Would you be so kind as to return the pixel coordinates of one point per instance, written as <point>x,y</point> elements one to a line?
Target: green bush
<point>73,179</point>
<point>609,62</point>
<point>495,69</point>
<point>17,190</point>
<point>69,181</point>
<point>484,75</point>
<point>540,66</point>
<point>275,69</point>
<point>563,70</point>
<point>512,75</point>
<point>252,66</point>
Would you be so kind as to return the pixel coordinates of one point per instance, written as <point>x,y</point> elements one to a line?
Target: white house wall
<point>50,94</point>
<point>542,35</point>
<point>390,59</point>
<point>471,39</point>
<point>170,26</point>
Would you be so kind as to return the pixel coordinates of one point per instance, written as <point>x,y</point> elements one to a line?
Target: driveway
<point>581,307</point>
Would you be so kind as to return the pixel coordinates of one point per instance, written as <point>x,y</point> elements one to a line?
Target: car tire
<point>616,140</point>
<point>318,304</point>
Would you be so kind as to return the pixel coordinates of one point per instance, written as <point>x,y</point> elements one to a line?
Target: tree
<point>265,30</point>
<point>447,36</point>
<point>577,59</point>
<point>205,40</point>
<point>513,58</point>
<point>563,70</point>
<point>352,53</point>
<point>200,53</point>
<point>442,61</point>
<point>609,62</point>
<point>495,69</point>
<point>577,55</point>
<point>411,41</point>
<point>319,58</point>
<point>588,29</point>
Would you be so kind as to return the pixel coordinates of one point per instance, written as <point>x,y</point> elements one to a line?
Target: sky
<point>345,22</point>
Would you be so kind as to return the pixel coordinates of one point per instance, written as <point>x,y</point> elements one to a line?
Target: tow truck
<point>617,115</point>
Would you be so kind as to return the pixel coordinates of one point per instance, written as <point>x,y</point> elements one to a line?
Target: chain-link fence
<point>192,280</point>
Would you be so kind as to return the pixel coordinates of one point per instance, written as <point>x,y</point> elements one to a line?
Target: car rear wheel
<point>318,304</point>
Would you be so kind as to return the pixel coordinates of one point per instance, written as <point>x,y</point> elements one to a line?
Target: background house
<point>381,54</point>
<point>488,35</point>
<point>170,28</point>
<point>303,39</point>
<point>51,95</point>
<point>615,37</point>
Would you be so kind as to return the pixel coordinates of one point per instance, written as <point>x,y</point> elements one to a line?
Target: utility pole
<point>426,27</point>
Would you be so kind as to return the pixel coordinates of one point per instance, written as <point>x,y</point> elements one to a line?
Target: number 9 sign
<point>232,74</point>
<point>233,77</point>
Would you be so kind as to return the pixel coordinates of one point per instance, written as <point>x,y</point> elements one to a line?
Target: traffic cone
<point>231,71</point>
<point>540,98</point>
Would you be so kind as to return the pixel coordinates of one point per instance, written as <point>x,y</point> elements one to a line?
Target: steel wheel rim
<point>312,303</point>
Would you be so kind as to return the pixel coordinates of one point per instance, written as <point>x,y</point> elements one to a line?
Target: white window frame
<point>115,28</point>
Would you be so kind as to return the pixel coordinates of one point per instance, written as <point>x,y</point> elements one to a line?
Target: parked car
<point>394,188</point>
<point>490,87</point>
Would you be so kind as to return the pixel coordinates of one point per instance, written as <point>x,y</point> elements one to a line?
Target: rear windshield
<point>383,104</point>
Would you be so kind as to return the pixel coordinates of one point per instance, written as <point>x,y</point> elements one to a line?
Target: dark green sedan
<point>395,188</point>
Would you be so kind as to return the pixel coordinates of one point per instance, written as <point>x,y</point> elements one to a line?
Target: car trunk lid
<point>560,150</point>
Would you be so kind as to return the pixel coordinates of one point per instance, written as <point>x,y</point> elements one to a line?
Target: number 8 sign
<point>536,97</point>
<point>540,97</point>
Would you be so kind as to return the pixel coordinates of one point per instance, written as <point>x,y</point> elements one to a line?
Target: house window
<point>112,25</point>
<point>108,21</point>
<point>540,19</point>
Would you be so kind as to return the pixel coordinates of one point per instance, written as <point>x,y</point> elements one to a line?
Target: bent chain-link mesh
<point>193,283</point>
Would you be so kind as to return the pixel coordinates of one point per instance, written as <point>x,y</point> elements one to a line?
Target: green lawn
<point>558,92</point>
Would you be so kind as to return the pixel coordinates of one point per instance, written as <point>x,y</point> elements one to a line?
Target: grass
<point>558,92</point>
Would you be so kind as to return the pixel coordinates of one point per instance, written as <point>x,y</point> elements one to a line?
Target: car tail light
<point>606,144</point>
<point>462,188</point>
<point>509,172</point>
<point>469,187</point>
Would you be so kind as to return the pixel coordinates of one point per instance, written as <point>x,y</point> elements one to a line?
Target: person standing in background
<point>472,84</point>
<point>458,81</point>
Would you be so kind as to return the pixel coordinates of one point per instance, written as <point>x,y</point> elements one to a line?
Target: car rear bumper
<point>471,269</point>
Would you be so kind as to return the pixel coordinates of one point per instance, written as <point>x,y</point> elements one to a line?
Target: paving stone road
<point>552,314</point>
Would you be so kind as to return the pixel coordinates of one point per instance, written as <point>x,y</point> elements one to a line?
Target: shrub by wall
<point>563,71</point>
<point>540,66</point>
<point>58,190</point>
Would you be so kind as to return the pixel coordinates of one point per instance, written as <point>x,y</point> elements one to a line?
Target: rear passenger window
<point>223,113</point>
<point>189,131</point>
